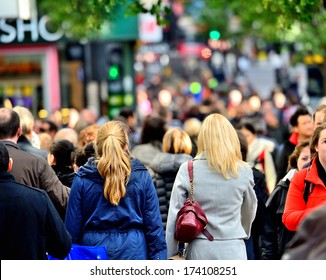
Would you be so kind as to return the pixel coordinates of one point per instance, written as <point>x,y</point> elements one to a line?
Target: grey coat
<point>230,207</point>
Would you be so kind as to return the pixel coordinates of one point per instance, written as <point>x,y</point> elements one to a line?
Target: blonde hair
<point>88,134</point>
<point>26,119</point>
<point>177,141</point>
<point>219,140</point>
<point>113,159</point>
<point>192,126</point>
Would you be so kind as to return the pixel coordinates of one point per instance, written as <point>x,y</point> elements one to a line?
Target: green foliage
<point>83,18</point>
<point>269,20</point>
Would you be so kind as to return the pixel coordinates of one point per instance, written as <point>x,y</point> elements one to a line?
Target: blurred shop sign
<point>34,30</point>
<point>191,49</point>
<point>23,9</point>
<point>149,30</point>
<point>160,48</point>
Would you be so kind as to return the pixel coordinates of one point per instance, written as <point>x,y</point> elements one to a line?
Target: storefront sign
<point>21,31</point>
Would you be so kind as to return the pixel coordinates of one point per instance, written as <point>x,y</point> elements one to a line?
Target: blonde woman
<point>223,186</point>
<point>176,150</point>
<point>113,201</point>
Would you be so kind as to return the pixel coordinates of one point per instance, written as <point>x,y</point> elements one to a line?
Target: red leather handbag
<point>191,218</point>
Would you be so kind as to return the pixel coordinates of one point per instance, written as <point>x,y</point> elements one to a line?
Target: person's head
<point>318,143</point>
<point>219,141</point>
<point>5,160</point>
<point>248,131</point>
<point>192,126</point>
<point>88,134</point>
<point>153,129</point>
<point>61,153</point>
<point>177,141</point>
<point>9,125</point>
<point>113,159</point>
<point>45,141</point>
<point>26,121</point>
<point>319,115</point>
<point>301,123</point>
<point>49,127</point>
<point>300,156</point>
<point>130,116</point>
<point>82,155</point>
<point>67,133</point>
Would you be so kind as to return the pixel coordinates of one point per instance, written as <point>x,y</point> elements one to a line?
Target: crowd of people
<point>120,183</point>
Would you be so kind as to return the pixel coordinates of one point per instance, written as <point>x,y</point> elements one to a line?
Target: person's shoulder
<point>29,190</point>
<point>136,165</point>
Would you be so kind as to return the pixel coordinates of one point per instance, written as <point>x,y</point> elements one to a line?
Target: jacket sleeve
<point>249,207</point>
<point>153,226</point>
<point>57,192</point>
<point>73,219</point>
<point>178,197</point>
<point>269,236</point>
<point>58,239</point>
<point>295,208</point>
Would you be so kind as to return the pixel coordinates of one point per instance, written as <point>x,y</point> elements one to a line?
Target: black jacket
<point>35,171</point>
<point>65,174</point>
<point>275,236</point>
<point>253,243</point>
<point>283,160</point>
<point>165,167</point>
<point>29,224</point>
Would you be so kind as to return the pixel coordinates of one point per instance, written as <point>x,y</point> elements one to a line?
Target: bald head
<point>9,124</point>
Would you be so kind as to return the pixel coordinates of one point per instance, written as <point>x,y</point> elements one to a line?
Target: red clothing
<point>295,207</point>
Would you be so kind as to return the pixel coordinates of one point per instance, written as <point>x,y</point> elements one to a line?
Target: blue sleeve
<point>73,219</point>
<point>154,230</point>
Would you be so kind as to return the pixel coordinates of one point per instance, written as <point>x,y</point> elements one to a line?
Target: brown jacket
<point>35,171</point>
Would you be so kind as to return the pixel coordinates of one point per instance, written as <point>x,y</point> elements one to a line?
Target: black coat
<point>29,224</point>
<point>283,160</point>
<point>35,171</point>
<point>253,243</point>
<point>165,167</point>
<point>275,236</point>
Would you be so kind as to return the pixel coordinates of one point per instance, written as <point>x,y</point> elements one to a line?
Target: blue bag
<point>81,252</point>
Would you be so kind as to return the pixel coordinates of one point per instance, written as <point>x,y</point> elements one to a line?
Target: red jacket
<point>295,207</point>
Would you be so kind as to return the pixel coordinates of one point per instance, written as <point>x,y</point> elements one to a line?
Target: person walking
<point>224,187</point>
<point>25,139</point>
<point>113,201</point>
<point>30,227</point>
<point>30,169</point>
<point>308,186</point>
<point>276,236</point>
<point>60,158</point>
<point>302,128</point>
<point>176,150</point>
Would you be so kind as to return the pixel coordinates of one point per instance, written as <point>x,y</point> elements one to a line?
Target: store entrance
<point>29,77</point>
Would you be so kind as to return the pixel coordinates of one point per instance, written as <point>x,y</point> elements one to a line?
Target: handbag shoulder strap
<point>191,179</point>
<point>192,196</point>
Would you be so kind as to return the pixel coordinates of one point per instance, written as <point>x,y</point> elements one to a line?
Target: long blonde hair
<point>113,159</point>
<point>219,140</point>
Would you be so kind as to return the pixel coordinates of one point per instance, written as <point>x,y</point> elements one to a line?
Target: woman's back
<point>113,201</point>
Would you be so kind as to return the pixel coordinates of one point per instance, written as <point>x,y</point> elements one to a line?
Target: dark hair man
<point>30,169</point>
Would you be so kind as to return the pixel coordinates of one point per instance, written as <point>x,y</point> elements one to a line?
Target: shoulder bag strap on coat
<point>192,196</point>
